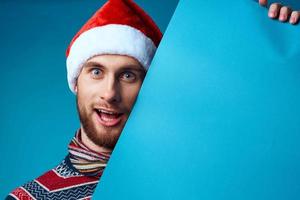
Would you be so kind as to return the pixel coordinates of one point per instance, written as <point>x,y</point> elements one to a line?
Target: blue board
<point>218,116</point>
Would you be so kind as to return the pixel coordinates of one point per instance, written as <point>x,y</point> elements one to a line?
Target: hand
<point>283,13</point>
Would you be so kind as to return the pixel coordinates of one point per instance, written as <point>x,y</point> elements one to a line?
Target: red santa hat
<point>118,27</point>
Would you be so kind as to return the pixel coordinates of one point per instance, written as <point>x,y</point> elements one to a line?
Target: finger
<point>295,17</point>
<point>285,12</point>
<point>274,10</point>
<point>263,2</point>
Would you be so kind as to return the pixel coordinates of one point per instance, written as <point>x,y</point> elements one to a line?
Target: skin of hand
<point>281,12</point>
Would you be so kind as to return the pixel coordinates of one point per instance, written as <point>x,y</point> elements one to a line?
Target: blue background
<point>38,113</point>
<point>218,114</point>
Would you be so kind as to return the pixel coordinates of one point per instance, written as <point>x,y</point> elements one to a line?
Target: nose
<point>111,91</point>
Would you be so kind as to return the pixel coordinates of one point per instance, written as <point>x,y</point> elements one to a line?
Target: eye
<point>96,72</point>
<point>128,76</point>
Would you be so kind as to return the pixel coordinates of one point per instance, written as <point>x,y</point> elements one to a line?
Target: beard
<point>106,138</point>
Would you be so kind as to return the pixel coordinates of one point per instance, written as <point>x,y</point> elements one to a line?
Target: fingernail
<point>282,17</point>
<point>293,20</point>
<point>271,14</point>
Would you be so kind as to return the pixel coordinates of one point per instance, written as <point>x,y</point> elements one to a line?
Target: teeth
<point>106,112</point>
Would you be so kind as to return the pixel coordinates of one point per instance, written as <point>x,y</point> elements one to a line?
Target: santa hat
<point>118,27</point>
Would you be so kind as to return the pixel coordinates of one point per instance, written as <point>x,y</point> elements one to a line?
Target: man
<point>106,62</point>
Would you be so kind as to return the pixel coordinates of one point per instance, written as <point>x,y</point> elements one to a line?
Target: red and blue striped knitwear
<point>75,178</point>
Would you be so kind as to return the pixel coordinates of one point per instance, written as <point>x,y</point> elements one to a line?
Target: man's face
<point>106,91</point>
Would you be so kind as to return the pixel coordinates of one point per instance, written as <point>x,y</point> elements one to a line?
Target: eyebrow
<point>92,64</point>
<point>138,68</point>
<point>133,67</point>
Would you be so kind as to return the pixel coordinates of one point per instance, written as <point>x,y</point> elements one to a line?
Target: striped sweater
<point>75,178</point>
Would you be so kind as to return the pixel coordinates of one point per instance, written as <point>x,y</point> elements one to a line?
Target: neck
<point>91,145</point>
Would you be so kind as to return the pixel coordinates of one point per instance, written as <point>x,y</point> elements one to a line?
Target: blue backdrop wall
<point>38,114</point>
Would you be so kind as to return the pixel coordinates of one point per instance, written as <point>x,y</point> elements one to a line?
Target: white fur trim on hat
<point>108,39</point>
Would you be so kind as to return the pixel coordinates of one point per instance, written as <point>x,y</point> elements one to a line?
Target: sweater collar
<point>85,160</point>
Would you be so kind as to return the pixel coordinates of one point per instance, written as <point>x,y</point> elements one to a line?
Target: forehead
<point>114,62</point>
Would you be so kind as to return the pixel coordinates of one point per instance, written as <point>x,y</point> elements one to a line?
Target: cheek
<point>86,89</point>
<point>130,95</point>
<point>85,85</point>
<point>84,97</point>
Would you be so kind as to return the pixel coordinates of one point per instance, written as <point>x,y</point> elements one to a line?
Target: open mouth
<point>108,118</point>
